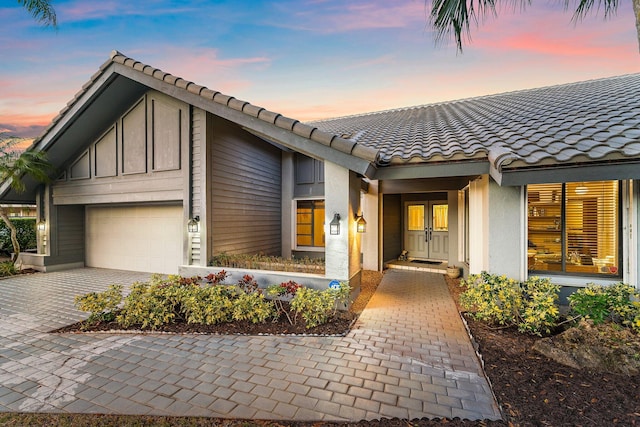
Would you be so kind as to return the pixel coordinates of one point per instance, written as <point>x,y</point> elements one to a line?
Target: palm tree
<point>13,167</point>
<point>454,16</point>
<point>42,11</point>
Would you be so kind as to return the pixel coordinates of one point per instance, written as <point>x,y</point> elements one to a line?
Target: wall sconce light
<point>193,226</point>
<point>361,224</point>
<point>41,226</point>
<point>334,225</point>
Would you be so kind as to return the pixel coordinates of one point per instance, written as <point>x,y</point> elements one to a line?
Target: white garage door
<point>137,238</point>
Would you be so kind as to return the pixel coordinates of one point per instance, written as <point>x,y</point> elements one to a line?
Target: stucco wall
<point>342,252</point>
<point>497,229</point>
<point>370,240</point>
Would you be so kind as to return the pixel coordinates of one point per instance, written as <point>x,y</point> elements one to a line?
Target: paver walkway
<point>408,357</point>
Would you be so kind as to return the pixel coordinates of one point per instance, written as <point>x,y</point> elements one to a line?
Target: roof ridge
<point>479,97</point>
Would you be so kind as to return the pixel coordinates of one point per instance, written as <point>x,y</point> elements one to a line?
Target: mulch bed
<point>531,389</point>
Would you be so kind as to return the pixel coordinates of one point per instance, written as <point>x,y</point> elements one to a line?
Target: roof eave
<point>568,173</point>
<point>434,170</point>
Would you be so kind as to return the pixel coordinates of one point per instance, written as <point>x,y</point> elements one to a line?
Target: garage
<point>136,238</point>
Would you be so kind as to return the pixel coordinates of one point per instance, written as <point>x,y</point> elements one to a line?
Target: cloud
<point>339,16</point>
<point>28,131</point>
<point>206,67</point>
<point>83,10</point>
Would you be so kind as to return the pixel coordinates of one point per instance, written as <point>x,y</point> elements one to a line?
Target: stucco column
<point>497,229</point>
<point>370,239</point>
<point>342,196</point>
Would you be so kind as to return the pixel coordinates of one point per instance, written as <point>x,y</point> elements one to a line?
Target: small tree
<point>14,165</point>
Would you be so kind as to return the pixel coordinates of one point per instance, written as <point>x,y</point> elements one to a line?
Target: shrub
<point>100,305</point>
<point>617,303</point>
<point>266,262</point>
<point>210,304</point>
<point>530,306</point>
<point>252,307</point>
<point>493,298</point>
<point>313,305</point>
<point>248,284</point>
<point>540,311</point>
<point>342,295</point>
<point>155,303</point>
<point>216,278</point>
<point>284,291</point>
<point>8,268</point>
<point>26,234</point>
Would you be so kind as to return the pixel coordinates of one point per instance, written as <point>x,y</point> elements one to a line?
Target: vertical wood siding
<point>245,192</point>
<point>70,226</point>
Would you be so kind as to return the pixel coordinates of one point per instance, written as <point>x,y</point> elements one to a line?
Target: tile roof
<point>301,129</point>
<point>592,121</point>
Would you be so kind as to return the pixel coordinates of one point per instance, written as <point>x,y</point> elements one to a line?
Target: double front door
<point>426,230</point>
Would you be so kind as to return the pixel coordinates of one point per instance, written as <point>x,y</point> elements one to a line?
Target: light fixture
<point>361,224</point>
<point>582,189</point>
<point>193,226</point>
<point>41,226</point>
<point>334,225</point>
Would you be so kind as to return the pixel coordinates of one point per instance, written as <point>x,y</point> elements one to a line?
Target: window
<point>310,223</point>
<point>574,227</point>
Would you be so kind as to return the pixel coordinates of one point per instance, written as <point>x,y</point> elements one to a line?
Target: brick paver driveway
<point>408,357</point>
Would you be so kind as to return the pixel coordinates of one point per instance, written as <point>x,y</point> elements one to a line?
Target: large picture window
<point>310,223</point>
<point>574,227</point>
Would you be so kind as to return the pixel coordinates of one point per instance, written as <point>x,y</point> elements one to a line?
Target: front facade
<point>158,174</point>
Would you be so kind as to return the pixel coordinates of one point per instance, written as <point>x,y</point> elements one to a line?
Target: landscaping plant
<point>206,301</point>
<point>530,306</point>
<point>285,291</point>
<point>316,306</point>
<point>100,305</point>
<point>619,303</point>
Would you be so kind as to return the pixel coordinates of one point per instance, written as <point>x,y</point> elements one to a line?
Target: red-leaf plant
<point>285,291</point>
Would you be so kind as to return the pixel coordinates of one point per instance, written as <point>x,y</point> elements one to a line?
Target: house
<point>537,182</point>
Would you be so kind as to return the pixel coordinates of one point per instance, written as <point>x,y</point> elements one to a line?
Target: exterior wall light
<point>361,224</point>
<point>334,225</point>
<point>41,226</point>
<point>193,226</point>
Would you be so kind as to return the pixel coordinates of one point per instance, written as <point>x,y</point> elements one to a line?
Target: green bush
<point>100,305</point>
<point>540,310</point>
<point>252,307</point>
<point>26,234</point>
<point>163,301</point>
<point>209,305</point>
<point>8,268</point>
<point>153,304</point>
<point>530,306</point>
<point>617,303</point>
<point>313,305</point>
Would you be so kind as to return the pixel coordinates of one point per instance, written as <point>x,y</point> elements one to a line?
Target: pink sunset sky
<point>307,59</point>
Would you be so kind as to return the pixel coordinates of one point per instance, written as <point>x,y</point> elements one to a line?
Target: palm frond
<point>42,11</point>
<point>453,17</point>
<point>585,6</point>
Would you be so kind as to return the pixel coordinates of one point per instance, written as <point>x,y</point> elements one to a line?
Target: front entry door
<point>426,231</point>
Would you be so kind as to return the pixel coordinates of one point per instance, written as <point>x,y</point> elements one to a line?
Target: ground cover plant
<point>209,305</point>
